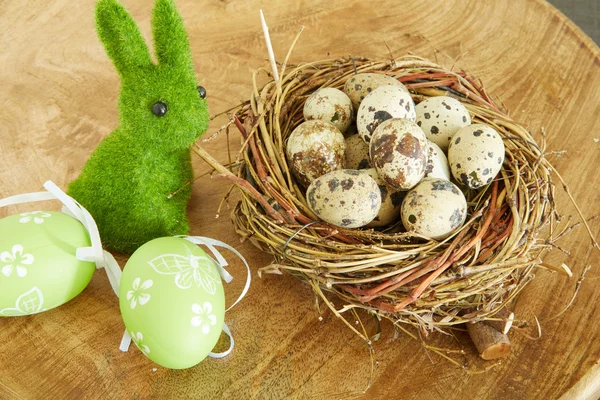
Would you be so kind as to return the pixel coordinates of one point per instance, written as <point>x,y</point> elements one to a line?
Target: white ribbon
<point>222,263</point>
<point>93,253</point>
<point>104,259</point>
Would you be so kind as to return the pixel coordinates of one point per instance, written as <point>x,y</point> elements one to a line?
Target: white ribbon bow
<point>71,207</point>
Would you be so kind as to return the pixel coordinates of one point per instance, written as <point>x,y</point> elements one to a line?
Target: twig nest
<point>411,278</point>
<point>476,154</point>
<point>434,208</point>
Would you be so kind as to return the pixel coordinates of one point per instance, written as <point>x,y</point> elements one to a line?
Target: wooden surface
<point>58,97</point>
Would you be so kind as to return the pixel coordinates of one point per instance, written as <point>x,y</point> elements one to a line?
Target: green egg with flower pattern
<point>38,267</point>
<point>172,302</point>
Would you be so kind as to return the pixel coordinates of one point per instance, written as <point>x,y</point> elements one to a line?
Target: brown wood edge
<point>574,28</point>
<point>588,387</point>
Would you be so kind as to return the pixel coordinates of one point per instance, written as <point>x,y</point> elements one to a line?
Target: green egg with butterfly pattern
<point>172,302</point>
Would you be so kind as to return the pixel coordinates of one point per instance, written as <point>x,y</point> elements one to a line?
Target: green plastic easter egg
<point>38,268</point>
<point>172,302</point>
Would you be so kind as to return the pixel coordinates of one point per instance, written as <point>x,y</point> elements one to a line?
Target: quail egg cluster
<point>368,156</point>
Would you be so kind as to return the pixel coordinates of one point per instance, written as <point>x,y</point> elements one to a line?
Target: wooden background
<point>58,100</point>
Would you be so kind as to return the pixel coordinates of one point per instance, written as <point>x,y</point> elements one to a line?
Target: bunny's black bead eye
<point>159,109</point>
<point>202,91</point>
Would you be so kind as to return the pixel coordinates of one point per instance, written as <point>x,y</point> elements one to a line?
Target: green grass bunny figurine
<point>126,182</point>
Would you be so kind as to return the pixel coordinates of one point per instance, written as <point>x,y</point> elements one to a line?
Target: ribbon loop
<point>231,344</point>
<point>211,244</point>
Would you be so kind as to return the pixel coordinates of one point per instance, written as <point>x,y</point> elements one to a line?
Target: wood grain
<point>58,97</point>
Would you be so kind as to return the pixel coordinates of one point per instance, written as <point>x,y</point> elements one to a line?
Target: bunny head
<point>161,105</point>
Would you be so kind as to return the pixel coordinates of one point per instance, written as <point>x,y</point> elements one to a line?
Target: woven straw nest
<point>389,273</point>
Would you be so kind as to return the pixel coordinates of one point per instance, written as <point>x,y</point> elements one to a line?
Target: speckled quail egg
<point>385,102</point>
<point>441,117</point>
<point>313,149</point>
<point>346,198</point>
<point>434,208</point>
<point>331,105</point>
<point>390,201</point>
<point>437,163</point>
<point>359,86</point>
<point>476,154</point>
<point>357,153</point>
<point>398,151</point>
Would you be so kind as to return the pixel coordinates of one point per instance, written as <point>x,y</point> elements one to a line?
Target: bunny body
<point>127,180</point>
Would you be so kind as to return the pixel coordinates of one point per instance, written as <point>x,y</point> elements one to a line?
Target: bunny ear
<point>121,37</point>
<point>170,37</point>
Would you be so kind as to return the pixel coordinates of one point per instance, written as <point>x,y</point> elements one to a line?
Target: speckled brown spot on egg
<point>347,222</point>
<point>347,184</point>
<point>384,150</point>
<point>311,199</point>
<point>429,168</point>
<point>442,185</point>
<point>457,218</point>
<point>409,146</point>
<point>434,129</point>
<point>333,184</point>
<point>314,162</point>
<point>375,200</point>
<point>478,132</point>
<point>378,118</point>
<point>475,181</point>
<point>414,199</point>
